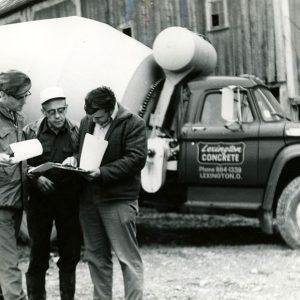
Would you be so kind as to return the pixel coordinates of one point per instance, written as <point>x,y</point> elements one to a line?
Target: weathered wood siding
<point>295,31</point>
<point>147,17</point>
<point>248,45</point>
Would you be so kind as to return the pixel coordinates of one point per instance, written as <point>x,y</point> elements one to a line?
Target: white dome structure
<point>77,54</point>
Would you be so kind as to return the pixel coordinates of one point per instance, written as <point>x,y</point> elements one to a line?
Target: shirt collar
<point>111,118</point>
<point>46,127</point>
<point>114,114</point>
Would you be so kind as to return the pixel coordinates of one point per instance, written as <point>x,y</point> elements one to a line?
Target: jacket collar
<point>122,114</point>
<point>7,113</point>
<point>36,126</point>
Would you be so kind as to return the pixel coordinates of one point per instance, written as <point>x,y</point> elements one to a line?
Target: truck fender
<point>282,158</point>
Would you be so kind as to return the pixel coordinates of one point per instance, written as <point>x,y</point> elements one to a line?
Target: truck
<point>216,144</point>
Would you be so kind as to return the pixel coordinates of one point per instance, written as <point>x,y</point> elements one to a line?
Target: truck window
<point>269,108</point>
<point>211,113</point>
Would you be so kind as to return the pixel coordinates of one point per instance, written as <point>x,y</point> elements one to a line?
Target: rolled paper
<point>26,149</point>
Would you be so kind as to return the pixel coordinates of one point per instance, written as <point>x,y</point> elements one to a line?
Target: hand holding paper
<point>26,149</point>
<point>70,161</point>
<point>92,153</point>
<point>6,160</point>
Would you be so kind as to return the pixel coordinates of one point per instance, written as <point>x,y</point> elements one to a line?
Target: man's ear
<point>43,111</point>
<point>2,96</point>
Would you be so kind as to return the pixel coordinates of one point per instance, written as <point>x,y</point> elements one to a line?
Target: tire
<point>24,235</point>
<point>288,214</point>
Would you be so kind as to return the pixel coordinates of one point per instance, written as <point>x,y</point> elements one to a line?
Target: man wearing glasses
<point>53,198</point>
<point>14,89</point>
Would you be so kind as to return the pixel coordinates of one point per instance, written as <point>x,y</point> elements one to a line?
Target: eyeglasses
<point>20,97</point>
<point>60,111</point>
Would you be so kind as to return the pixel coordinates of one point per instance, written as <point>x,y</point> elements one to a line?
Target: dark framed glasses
<point>60,111</point>
<point>20,97</point>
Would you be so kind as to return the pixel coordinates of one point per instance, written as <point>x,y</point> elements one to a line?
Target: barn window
<point>216,14</point>
<point>127,29</point>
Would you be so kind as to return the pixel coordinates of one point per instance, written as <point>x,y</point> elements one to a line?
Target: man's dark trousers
<point>42,210</point>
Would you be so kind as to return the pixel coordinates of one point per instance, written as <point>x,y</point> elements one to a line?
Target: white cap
<point>53,92</point>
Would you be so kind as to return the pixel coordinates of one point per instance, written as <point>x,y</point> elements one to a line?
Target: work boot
<point>67,285</point>
<point>36,287</point>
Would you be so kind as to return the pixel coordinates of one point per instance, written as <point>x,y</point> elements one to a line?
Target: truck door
<point>212,154</point>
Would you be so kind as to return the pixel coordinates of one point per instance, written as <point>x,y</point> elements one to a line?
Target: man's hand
<point>6,160</point>
<point>70,161</point>
<point>45,185</point>
<point>92,174</point>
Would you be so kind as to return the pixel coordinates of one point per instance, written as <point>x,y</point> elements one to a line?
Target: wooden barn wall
<point>44,10</point>
<point>246,46</point>
<point>58,10</point>
<point>96,10</point>
<point>295,32</point>
<point>147,17</point>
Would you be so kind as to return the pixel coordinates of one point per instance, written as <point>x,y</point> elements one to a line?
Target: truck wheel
<point>288,214</point>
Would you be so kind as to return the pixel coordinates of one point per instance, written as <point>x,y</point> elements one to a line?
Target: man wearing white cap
<point>53,198</point>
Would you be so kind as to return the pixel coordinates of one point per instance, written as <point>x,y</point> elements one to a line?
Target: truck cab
<point>223,166</point>
<point>241,165</point>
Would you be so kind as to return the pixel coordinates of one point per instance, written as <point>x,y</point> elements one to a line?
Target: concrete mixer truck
<point>215,144</point>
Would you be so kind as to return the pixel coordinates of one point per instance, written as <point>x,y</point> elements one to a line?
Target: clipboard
<point>50,165</point>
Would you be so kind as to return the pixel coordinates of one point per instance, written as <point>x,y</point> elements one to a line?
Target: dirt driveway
<point>201,257</point>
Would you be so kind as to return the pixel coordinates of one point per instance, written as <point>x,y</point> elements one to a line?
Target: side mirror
<point>227,108</point>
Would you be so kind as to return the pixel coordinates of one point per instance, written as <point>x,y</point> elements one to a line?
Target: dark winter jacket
<point>123,160</point>
<point>32,130</point>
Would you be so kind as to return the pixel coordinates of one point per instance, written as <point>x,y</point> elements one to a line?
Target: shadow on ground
<point>200,230</point>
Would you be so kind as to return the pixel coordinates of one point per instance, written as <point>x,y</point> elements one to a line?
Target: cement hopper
<point>177,49</point>
<point>77,54</point>
<point>180,52</point>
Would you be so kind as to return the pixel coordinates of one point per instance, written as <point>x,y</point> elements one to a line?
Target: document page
<point>92,152</point>
<point>26,149</point>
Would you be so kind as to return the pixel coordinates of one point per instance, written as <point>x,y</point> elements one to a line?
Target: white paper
<point>26,149</point>
<point>92,153</point>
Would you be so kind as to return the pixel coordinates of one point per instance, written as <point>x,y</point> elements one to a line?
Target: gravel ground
<point>200,257</point>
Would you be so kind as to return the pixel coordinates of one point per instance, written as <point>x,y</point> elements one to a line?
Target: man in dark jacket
<point>53,198</point>
<point>109,202</point>
<point>14,88</point>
